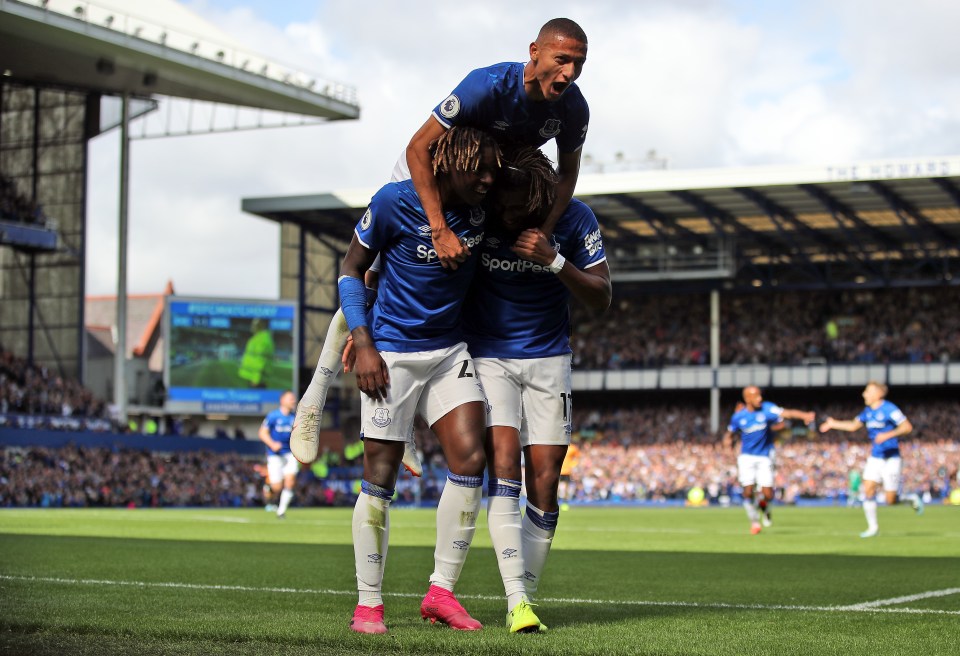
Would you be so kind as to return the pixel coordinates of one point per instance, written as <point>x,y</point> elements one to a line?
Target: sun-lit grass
<point>619,581</point>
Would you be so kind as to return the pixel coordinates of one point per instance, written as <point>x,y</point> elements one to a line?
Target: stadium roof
<point>147,47</point>
<point>879,220</point>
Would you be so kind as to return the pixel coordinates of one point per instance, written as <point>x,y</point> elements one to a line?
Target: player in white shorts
<point>410,358</point>
<point>517,324</point>
<point>885,423</point>
<point>754,419</point>
<point>282,467</point>
<point>531,103</point>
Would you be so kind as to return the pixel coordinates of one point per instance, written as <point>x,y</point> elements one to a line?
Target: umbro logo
<point>509,553</point>
<point>462,545</point>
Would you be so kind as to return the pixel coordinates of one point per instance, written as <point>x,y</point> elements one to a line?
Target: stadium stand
<point>882,325</point>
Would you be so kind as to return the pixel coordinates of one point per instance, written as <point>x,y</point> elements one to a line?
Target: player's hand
<point>349,356</point>
<point>533,245</point>
<point>827,425</point>
<point>372,375</point>
<point>450,251</point>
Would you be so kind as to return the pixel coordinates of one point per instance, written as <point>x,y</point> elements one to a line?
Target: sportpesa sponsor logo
<point>491,263</point>
<point>424,252</point>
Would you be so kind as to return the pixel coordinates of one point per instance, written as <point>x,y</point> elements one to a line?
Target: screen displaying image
<point>229,356</point>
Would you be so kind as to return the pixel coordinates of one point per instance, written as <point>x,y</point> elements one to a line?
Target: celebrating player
<point>517,325</point>
<point>410,360</point>
<point>885,424</point>
<point>530,104</point>
<point>282,467</point>
<point>754,421</point>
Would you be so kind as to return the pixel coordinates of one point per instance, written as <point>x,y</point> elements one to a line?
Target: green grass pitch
<point>619,581</point>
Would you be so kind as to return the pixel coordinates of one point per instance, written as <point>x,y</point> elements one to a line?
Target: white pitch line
<point>902,600</point>
<point>859,608</point>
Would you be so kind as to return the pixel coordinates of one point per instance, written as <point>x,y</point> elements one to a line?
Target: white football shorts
<point>532,395</point>
<point>428,383</point>
<point>755,470</point>
<point>885,471</point>
<point>279,466</point>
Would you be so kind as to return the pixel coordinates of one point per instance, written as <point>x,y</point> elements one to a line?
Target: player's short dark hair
<point>526,166</point>
<point>460,148</point>
<point>562,27</point>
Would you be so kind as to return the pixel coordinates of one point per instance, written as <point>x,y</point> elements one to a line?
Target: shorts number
<point>463,370</point>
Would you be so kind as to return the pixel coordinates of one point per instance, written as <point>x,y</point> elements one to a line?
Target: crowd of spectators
<point>659,452</point>
<point>853,326</point>
<point>14,206</point>
<point>32,390</point>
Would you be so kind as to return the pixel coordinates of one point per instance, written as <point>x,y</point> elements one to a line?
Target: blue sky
<point>706,83</point>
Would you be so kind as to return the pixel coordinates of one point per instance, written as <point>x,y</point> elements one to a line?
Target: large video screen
<point>229,356</point>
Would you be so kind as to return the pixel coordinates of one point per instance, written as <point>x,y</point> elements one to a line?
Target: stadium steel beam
<point>913,227</point>
<point>834,206</point>
<point>952,190</point>
<point>900,204</point>
<point>721,219</point>
<point>774,209</point>
<point>663,225</point>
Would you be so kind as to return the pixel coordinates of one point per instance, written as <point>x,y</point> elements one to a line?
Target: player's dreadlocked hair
<point>459,149</point>
<point>525,166</point>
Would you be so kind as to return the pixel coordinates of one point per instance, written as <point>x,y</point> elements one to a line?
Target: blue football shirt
<point>280,425</point>
<point>493,99</point>
<point>756,438</point>
<point>419,302</point>
<point>885,418</point>
<point>518,309</point>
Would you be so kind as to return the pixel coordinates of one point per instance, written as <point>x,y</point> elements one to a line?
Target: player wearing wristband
<point>517,326</point>
<point>528,103</point>
<point>410,360</point>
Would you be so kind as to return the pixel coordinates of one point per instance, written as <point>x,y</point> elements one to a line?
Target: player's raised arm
<point>589,286</point>
<point>848,426</point>
<point>450,251</point>
<point>568,171</point>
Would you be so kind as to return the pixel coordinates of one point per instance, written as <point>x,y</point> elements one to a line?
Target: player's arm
<point>849,425</point>
<point>371,370</point>
<point>264,435</point>
<point>450,251</point>
<point>728,439</point>
<point>589,286</point>
<point>904,428</point>
<point>568,171</point>
<point>805,417</point>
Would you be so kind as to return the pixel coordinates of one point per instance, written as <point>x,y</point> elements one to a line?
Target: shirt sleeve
<point>896,415</point>
<point>466,102</point>
<point>586,246</point>
<point>373,229</point>
<point>574,132</point>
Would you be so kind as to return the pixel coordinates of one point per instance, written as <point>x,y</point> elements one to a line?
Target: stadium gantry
<point>72,71</point>
<point>865,224</point>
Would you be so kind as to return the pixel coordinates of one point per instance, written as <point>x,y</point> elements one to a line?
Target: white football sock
<point>751,509</point>
<point>456,524</point>
<point>285,498</point>
<point>328,365</point>
<point>503,520</point>
<point>371,536</point>
<point>538,527</point>
<point>870,510</point>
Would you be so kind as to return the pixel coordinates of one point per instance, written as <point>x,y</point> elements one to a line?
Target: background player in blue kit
<point>754,421</point>
<point>410,359</point>
<point>517,325</point>
<point>282,467</point>
<point>885,423</point>
<point>528,103</point>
